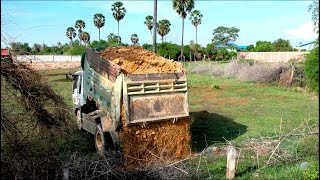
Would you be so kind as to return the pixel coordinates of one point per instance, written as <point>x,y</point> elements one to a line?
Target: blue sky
<point>47,21</point>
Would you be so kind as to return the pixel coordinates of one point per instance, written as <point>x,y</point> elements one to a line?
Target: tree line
<point>220,48</point>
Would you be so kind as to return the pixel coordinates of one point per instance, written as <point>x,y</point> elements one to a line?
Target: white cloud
<point>304,31</point>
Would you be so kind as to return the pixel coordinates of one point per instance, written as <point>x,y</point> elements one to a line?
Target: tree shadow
<point>210,128</point>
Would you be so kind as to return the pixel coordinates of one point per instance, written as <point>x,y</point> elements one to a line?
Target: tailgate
<point>155,97</point>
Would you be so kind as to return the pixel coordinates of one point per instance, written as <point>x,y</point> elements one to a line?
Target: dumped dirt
<point>160,142</point>
<point>137,60</point>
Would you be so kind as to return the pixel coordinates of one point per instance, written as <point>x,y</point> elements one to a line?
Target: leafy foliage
<point>264,46</point>
<point>163,28</point>
<point>312,68</point>
<point>134,39</point>
<point>71,33</point>
<point>80,25</point>
<point>281,45</point>
<point>98,21</point>
<point>149,22</point>
<point>314,7</point>
<point>223,36</point>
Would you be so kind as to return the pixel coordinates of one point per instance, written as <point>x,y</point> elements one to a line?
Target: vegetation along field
<point>272,127</point>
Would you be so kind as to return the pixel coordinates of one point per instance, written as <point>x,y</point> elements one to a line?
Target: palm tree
<point>134,39</point>
<point>182,7</point>
<point>71,33</point>
<point>86,37</point>
<point>196,20</point>
<point>118,13</point>
<point>149,23</point>
<point>163,28</point>
<point>80,25</point>
<point>99,20</point>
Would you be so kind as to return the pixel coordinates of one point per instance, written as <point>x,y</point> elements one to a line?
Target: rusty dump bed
<point>146,97</point>
<point>153,97</point>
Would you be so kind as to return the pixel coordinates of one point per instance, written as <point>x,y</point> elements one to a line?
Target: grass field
<point>227,109</point>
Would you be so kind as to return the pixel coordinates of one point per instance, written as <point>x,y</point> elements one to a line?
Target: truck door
<point>75,88</point>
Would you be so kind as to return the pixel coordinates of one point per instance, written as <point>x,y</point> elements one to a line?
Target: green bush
<point>167,49</point>
<point>312,69</point>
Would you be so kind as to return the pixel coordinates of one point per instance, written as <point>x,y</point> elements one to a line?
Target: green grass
<point>234,111</point>
<point>238,110</point>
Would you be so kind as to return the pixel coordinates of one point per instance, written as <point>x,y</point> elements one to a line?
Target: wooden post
<point>231,162</point>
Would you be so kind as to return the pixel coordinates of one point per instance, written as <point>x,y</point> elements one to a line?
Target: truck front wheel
<point>102,140</point>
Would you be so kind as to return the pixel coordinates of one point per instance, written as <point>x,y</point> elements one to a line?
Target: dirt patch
<point>137,60</point>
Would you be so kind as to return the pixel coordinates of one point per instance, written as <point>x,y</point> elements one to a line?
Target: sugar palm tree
<point>99,20</point>
<point>182,7</point>
<point>80,25</point>
<point>134,39</point>
<point>163,28</point>
<point>71,33</point>
<point>196,20</point>
<point>118,13</point>
<point>86,37</point>
<point>149,23</point>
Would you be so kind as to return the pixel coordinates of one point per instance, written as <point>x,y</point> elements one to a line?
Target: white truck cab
<point>77,91</point>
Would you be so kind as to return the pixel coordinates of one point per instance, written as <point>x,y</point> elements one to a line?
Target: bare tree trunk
<point>182,39</point>
<point>196,36</point>
<point>162,39</point>
<point>99,34</point>
<point>154,26</point>
<point>118,34</point>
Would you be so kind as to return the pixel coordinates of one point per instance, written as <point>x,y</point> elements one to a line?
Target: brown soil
<point>137,60</point>
<point>160,142</point>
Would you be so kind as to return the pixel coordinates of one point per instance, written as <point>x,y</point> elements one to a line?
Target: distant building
<point>307,46</point>
<point>237,48</point>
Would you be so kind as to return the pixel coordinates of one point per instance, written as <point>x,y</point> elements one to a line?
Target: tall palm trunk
<point>182,39</point>
<point>99,34</point>
<point>154,26</point>
<point>118,34</point>
<point>196,35</point>
<point>162,39</point>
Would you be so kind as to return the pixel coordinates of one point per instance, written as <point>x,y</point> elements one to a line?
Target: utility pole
<point>155,26</point>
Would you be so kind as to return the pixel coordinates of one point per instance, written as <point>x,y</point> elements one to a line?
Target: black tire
<point>103,141</point>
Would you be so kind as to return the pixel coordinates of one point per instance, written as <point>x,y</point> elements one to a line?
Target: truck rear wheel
<point>79,119</point>
<point>103,141</point>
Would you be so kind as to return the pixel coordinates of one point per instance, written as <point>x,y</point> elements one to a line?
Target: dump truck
<point>106,99</point>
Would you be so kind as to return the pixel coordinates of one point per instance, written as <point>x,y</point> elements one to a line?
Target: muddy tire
<point>103,141</point>
<point>79,120</point>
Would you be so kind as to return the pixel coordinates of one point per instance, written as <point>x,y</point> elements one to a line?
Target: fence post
<point>231,162</point>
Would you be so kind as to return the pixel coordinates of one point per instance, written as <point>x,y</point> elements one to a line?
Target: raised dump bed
<point>124,90</point>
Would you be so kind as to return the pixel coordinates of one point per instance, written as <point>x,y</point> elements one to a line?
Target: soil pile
<point>137,60</point>
<point>158,143</point>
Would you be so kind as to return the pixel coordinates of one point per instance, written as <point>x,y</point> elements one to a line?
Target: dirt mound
<point>161,142</point>
<point>137,60</point>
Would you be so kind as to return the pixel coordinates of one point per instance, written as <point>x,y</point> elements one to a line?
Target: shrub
<point>246,71</point>
<point>312,69</point>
